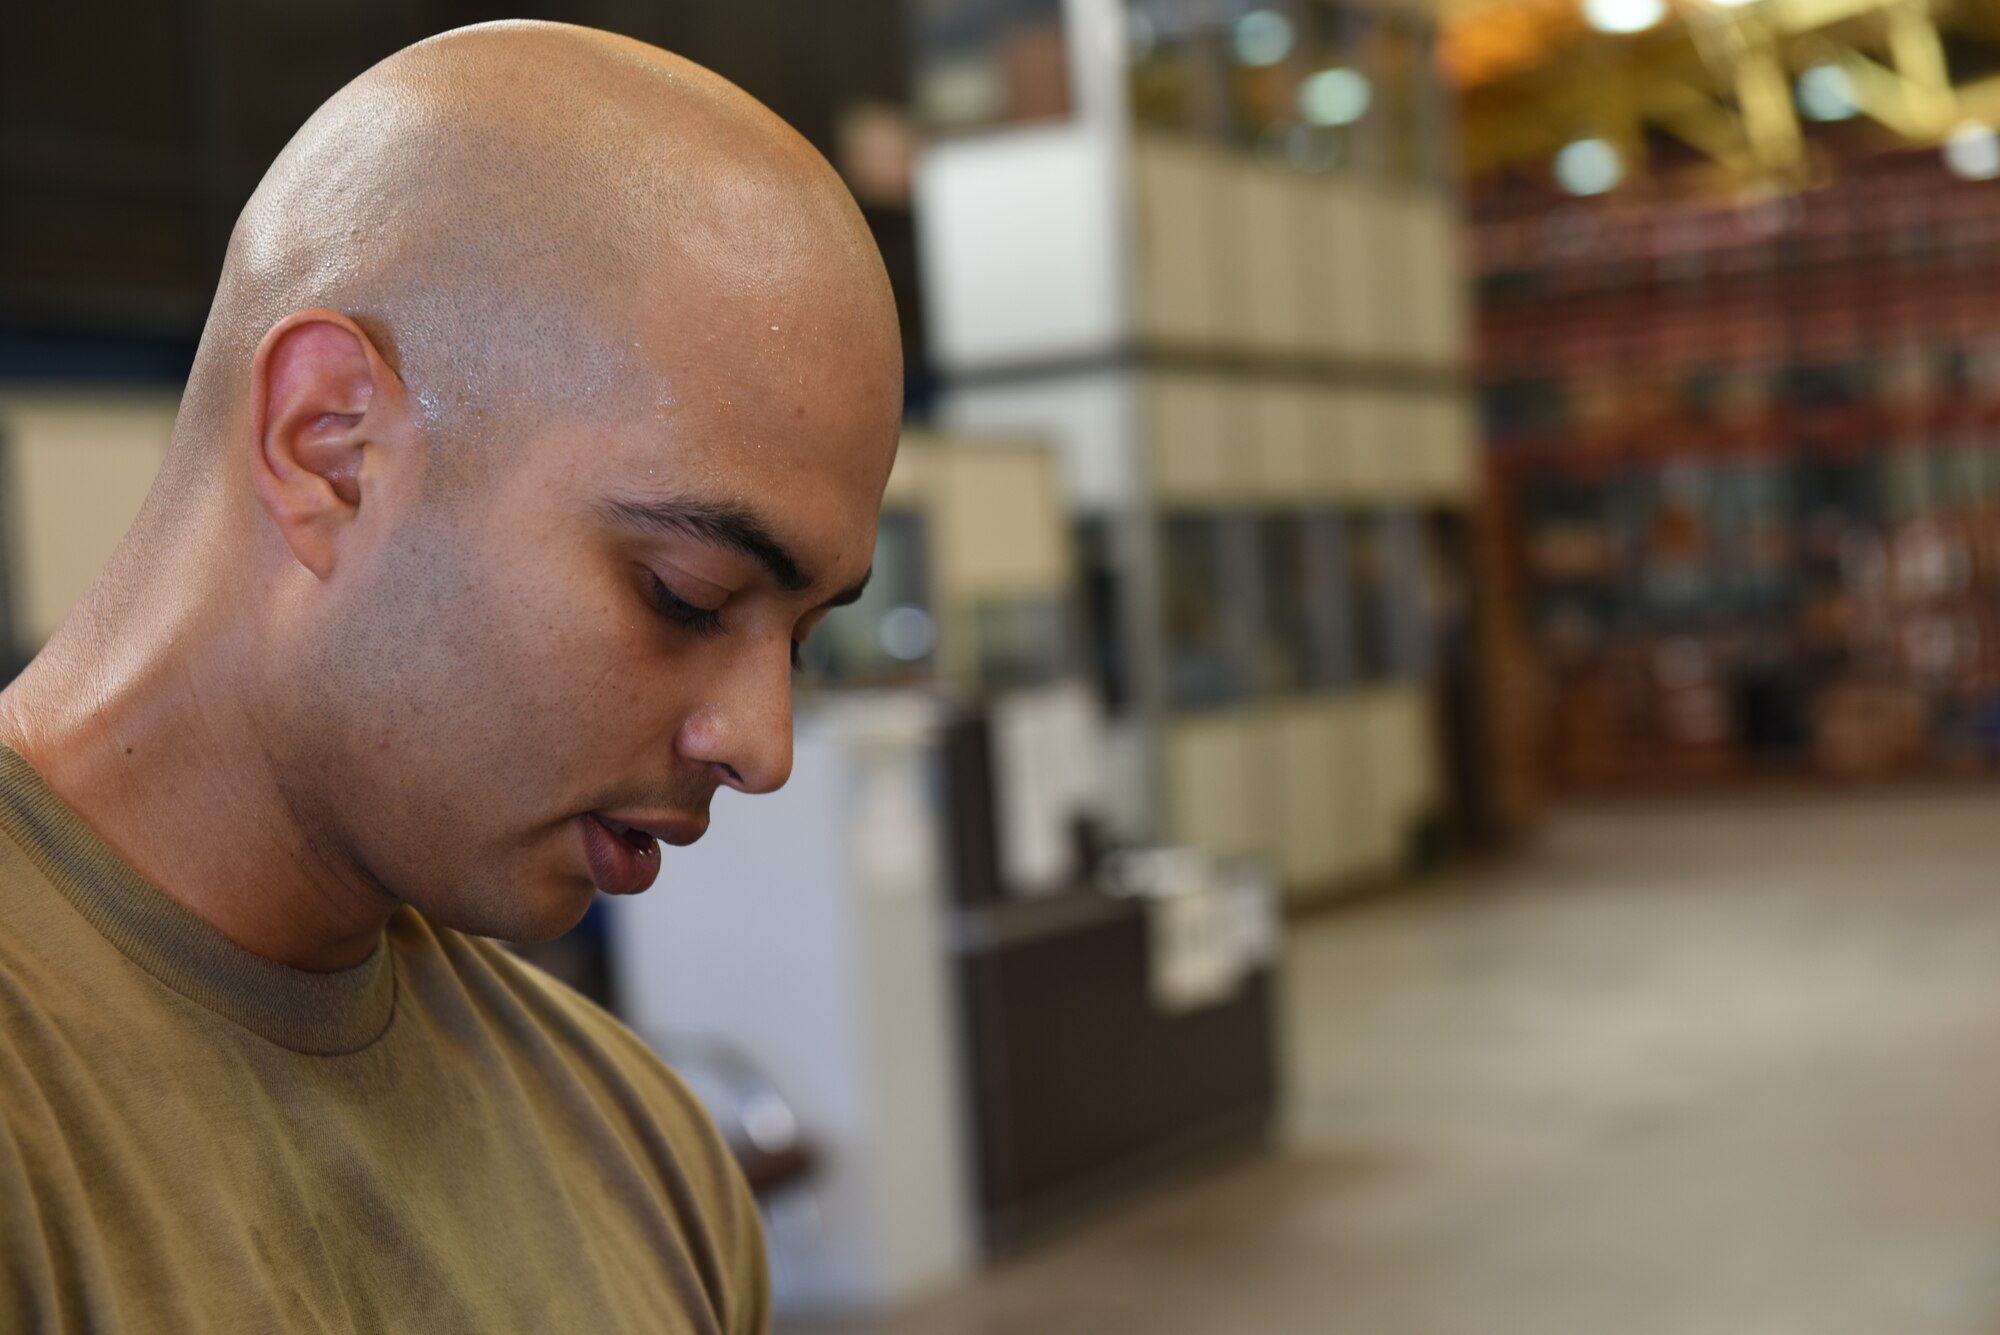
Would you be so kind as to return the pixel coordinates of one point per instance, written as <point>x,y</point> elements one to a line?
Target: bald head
<point>510,211</point>
<point>646,319</point>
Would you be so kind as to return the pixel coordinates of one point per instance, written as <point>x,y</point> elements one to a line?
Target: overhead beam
<point>1722,83</point>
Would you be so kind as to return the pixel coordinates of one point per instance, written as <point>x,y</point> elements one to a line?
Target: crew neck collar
<point>318,1014</point>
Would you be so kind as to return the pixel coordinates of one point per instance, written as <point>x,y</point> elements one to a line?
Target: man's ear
<point>323,403</point>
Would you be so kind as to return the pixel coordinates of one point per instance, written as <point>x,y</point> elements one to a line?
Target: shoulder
<point>566,1014</point>
<point>628,1096</point>
<point>543,1019</point>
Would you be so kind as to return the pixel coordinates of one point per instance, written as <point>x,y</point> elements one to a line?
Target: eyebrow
<point>724,525</point>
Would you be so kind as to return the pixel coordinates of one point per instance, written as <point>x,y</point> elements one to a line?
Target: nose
<point>743,730</point>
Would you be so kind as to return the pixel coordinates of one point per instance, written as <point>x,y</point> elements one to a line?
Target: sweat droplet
<point>774,329</point>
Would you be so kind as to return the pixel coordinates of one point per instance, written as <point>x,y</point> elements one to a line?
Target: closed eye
<point>681,612</point>
<point>702,621</point>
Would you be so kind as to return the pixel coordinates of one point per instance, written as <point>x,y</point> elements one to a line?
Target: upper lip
<point>674,827</point>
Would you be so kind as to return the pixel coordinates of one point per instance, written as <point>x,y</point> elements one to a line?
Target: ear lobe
<point>321,397</point>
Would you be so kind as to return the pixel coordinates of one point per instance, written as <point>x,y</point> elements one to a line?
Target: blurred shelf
<point>1752,462</point>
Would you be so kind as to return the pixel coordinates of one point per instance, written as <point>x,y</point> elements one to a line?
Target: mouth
<point>623,860</point>
<point>624,854</point>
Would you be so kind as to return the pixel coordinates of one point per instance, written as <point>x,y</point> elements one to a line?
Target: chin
<point>524,914</point>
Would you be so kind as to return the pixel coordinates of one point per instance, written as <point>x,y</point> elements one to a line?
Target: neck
<point>145,726</point>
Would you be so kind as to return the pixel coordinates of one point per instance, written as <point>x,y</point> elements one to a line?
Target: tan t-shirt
<point>442,1139</point>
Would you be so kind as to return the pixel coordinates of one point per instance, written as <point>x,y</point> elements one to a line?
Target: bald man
<point>546,404</point>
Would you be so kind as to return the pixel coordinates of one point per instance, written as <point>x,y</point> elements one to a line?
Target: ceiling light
<point>1973,152</point>
<point>1335,97</point>
<point>1263,37</point>
<point>1827,94</point>
<point>1589,167</point>
<point>1623,15</point>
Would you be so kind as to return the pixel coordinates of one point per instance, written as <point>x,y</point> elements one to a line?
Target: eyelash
<point>702,621</point>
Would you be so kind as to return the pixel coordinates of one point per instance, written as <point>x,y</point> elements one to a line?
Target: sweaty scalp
<point>490,206</point>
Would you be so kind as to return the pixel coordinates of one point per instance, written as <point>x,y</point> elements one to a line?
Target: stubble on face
<point>458,714</point>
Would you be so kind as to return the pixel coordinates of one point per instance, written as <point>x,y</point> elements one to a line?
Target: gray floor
<point>1700,1069</point>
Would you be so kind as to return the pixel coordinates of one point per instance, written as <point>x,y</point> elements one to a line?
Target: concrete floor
<point>1695,1069</point>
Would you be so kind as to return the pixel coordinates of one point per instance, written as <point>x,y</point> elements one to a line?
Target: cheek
<point>467,683</point>
<point>506,694</point>
<point>587,677</point>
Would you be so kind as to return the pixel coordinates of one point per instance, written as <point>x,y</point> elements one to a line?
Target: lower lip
<point>616,866</point>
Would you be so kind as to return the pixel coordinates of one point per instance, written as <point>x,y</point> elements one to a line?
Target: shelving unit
<point>1246,336</point>
<point>1758,504</point>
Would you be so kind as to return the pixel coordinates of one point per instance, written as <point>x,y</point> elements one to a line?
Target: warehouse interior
<point>1416,757</point>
